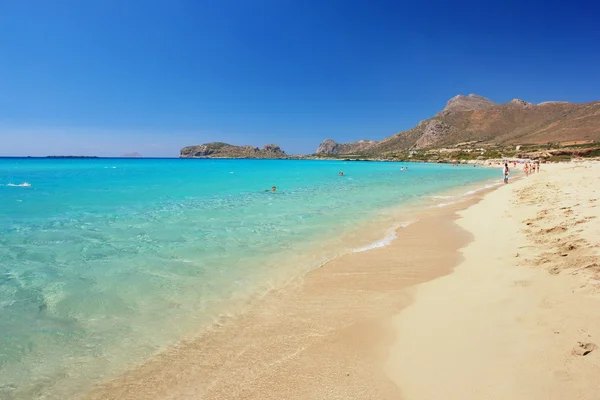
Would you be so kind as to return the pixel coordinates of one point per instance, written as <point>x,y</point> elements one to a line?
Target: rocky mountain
<point>225,150</point>
<point>474,118</point>
<point>331,147</point>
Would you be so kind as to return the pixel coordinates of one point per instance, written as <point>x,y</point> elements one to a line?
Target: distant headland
<point>72,157</point>
<point>225,150</point>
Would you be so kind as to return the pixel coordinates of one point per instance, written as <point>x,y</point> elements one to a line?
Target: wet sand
<point>325,336</point>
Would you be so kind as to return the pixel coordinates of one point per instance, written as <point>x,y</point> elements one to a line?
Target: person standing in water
<point>506,172</point>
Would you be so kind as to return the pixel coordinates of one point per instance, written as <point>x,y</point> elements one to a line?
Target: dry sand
<point>517,317</point>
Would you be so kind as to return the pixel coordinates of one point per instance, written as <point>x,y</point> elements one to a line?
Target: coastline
<point>519,318</point>
<point>154,324</point>
<point>384,323</point>
<point>330,326</point>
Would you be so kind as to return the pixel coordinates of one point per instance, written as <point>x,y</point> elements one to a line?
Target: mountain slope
<point>331,147</point>
<point>475,118</point>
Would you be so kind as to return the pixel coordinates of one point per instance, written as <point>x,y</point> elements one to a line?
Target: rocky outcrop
<point>225,150</point>
<point>520,103</point>
<point>273,148</point>
<point>331,147</point>
<point>328,146</point>
<point>468,103</point>
<point>434,131</point>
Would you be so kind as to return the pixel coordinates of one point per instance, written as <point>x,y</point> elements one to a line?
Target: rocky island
<point>225,150</point>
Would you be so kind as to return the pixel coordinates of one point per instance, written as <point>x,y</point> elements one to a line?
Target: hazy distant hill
<point>225,150</point>
<point>475,118</point>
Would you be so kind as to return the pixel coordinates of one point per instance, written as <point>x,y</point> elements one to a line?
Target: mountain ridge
<point>474,118</point>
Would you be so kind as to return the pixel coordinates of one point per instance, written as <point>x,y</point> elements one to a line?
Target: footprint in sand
<point>583,349</point>
<point>567,247</point>
<point>554,271</point>
<point>555,229</point>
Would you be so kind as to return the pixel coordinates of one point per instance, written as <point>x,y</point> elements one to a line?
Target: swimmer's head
<point>273,189</point>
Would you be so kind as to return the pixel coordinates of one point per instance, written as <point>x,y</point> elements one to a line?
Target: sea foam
<point>385,241</point>
<point>24,184</point>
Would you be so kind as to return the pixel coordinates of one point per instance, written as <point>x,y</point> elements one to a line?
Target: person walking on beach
<point>506,173</point>
<point>526,169</point>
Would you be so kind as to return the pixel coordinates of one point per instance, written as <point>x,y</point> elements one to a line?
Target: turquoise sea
<point>103,262</point>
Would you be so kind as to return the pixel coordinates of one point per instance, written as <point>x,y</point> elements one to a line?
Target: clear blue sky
<point>104,77</point>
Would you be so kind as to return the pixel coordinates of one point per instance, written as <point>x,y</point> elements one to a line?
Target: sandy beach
<point>495,297</point>
<point>519,318</point>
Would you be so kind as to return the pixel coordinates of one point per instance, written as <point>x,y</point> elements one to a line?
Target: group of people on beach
<point>528,168</point>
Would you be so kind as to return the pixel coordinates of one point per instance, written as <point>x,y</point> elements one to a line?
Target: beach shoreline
<point>334,319</point>
<point>164,286</point>
<point>362,325</point>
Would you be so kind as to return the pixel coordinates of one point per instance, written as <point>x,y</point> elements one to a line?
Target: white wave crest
<point>385,241</point>
<point>24,184</point>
